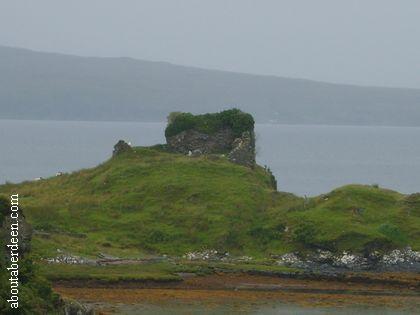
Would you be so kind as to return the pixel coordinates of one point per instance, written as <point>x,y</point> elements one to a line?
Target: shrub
<point>171,117</point>
<point>266,234</point>
<point>235,119</point>
<point>305,233</point>
<point>157,236</point>
<point>393,233</point>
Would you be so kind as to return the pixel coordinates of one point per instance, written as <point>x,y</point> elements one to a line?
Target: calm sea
<point>306,160</point>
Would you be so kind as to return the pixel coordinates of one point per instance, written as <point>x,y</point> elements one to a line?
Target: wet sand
<point>241,293</point>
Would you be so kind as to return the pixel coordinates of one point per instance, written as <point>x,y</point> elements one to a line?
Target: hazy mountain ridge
<point>36,85</point>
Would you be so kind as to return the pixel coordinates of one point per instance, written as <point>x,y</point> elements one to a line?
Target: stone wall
<point>243,150</point>
<point>195,141</point>
<point>121,147</point>
<point>240,150</point>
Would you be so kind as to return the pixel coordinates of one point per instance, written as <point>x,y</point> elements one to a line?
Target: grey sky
<point>368,42</point>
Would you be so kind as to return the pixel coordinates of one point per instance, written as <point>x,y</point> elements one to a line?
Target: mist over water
<point>306,160</point>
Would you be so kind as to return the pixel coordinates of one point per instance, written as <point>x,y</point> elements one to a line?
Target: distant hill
<point>37,85</point>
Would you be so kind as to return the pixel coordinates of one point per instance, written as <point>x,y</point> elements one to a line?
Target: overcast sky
<point>367,42</point>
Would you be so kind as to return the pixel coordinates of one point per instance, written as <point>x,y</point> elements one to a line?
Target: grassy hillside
<point>149,201</point>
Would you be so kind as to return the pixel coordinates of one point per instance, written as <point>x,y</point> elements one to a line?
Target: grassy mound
<point>149,201</point>
<point>359,218</point>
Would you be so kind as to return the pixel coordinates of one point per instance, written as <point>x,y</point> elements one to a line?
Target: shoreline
<point>191,281</point>
<point>245,290</point>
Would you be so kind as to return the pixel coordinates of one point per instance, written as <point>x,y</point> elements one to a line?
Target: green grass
<point>110,273</point>
<point>206,267</point>
<point>151,202</point>
<point>159,272</point>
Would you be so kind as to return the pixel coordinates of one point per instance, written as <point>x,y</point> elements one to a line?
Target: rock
<point>210,254</point>
<point>322,257</point>
<point>325,261</point>
<point>71,260</point>
<point>401,256</point>
<point>350,261</point>
<point>196,152</point>
<point>106,256</point>
<point>244,259</point>
<point>289,259</point>
<point>76,308</point>
<point>121,147</point>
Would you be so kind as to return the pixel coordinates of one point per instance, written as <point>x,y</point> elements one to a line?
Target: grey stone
<point>243,150</point>
<point>240,150</point>
<point>195,141</point>
<point>77,308</point>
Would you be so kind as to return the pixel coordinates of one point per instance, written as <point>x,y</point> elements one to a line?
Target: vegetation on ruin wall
<point>234,119</point>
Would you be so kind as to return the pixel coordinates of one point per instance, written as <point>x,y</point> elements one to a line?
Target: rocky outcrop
<point>240,150</point>
<point>401,256</point>
<point>396,260</point>
<point>71,260</point>
<point>210,254</point>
